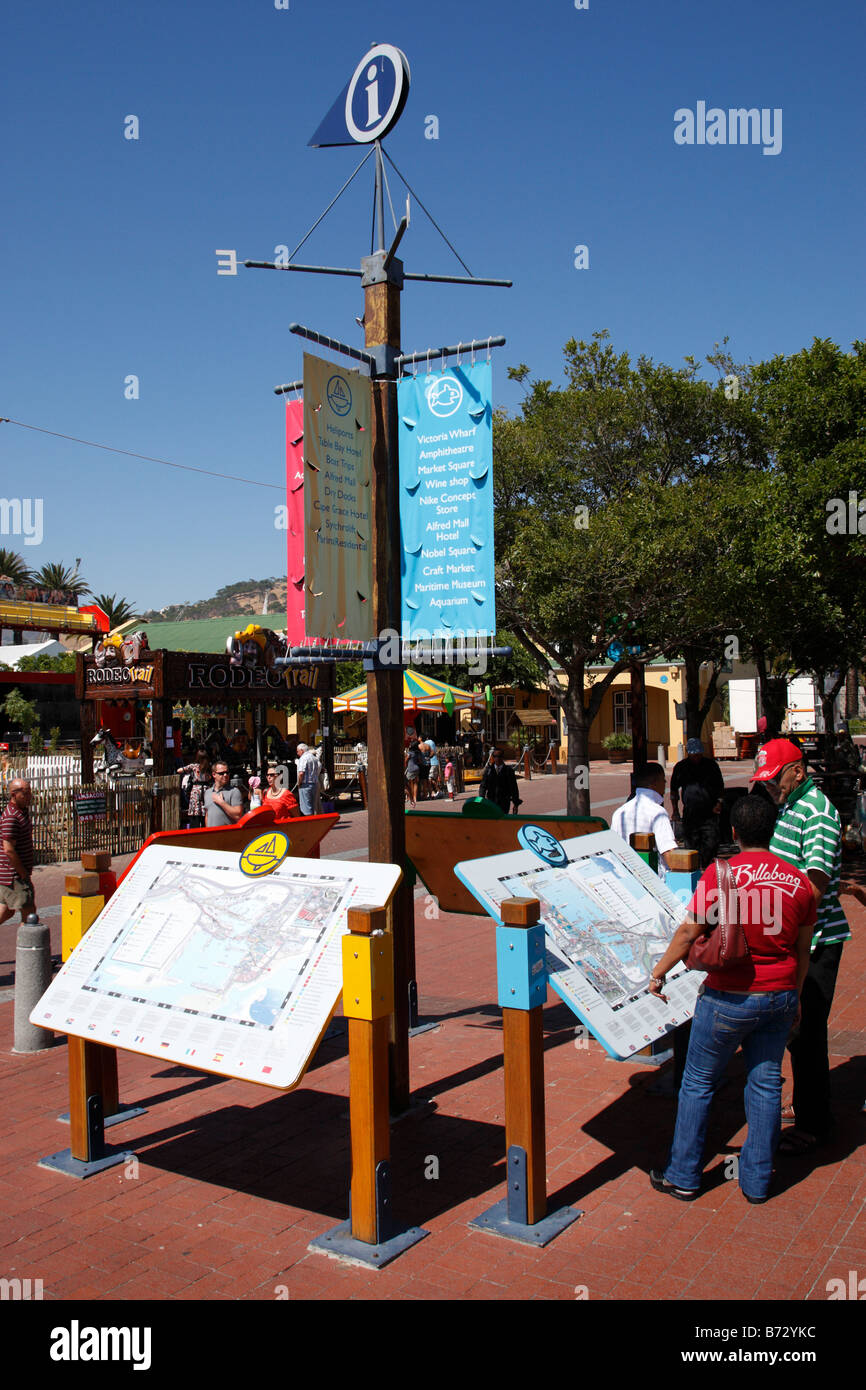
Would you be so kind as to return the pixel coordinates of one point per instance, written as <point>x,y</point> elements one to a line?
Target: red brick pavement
<point>233,1180</point>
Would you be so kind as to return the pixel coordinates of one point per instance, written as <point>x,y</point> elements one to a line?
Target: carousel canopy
<point>419,692</point>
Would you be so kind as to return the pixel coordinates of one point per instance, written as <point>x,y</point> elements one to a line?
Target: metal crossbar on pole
<point>334,344</point>
<point>477,345</point>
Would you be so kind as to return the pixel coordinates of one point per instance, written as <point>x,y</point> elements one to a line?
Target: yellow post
<point>368,1001</point>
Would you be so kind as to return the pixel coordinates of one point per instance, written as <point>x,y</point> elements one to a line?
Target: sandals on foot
<point>661,1184</point>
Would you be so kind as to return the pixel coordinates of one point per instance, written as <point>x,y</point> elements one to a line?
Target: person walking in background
<point>753,1004</point>
<point>16,854</point>
<point>413,770</point>
<point>449,778</point>
<point>499,783</point>
<point>198,778</point>
<point>644,813</point>
<point>308,779</point>
<point>434,768</point>
<point>698,779</point>
<point>808,834</point>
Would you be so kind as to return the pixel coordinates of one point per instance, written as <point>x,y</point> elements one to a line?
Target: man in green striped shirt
<point>808,834</point>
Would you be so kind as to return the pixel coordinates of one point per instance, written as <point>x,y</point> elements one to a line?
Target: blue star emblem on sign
<point>543,845</point>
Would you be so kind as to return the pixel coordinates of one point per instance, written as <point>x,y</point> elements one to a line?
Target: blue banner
<point>446,503</point>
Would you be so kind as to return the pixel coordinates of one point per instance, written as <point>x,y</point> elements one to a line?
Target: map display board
<point>193,962</point>
<point>608,918</point>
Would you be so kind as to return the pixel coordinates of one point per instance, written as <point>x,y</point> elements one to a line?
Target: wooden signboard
<point>434,848</point>
<point>89,807</point>
<point>304,833</point>
<point>196,962</point>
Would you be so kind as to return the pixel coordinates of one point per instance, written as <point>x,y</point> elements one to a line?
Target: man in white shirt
<point>308,768</point>
<point>645,814</point>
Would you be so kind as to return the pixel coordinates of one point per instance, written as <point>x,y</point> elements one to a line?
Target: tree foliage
<point>13,567</point>
<point>117,610</point>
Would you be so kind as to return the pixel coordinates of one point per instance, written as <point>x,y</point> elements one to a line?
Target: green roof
<point>205,634</point>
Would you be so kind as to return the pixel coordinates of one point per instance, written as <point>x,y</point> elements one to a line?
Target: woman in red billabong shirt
<point>753,1005</point>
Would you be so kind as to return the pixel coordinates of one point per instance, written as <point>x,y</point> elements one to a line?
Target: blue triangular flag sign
<point>371,102</point>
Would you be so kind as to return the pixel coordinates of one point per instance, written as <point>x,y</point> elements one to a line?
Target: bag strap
<point>723,887</point>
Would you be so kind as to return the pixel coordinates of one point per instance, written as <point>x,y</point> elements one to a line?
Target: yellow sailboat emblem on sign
<point>263,854</point>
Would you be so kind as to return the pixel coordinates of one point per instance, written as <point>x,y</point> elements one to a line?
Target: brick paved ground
<point>234,1180</point>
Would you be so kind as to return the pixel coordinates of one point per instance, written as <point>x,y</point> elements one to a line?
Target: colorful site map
<point>608,918</point>
<point>195,962</point>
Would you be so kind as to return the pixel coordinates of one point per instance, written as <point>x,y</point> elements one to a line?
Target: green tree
<point>66,663</point>
<point>117,610</point>
<point>811,406</point>
<point>13,567</point>
<point>591,484</point>
<point>58,576</point>
<point>21,711</point>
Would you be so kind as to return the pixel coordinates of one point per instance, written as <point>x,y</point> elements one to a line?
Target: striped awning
<point>419,692</point>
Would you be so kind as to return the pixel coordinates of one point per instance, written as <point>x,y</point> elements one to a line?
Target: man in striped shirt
<point>16,854</point>
<point>808,834</point>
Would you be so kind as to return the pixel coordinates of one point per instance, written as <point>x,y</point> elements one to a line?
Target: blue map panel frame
<point>608,918</point>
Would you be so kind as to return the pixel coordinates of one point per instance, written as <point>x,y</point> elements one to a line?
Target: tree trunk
<point>828,708</point>
<point>773,694</point>
<point>709,697</point>
<point>639,753</point>
<point>852,703</point>
<point>692,692</point>
<point>577,724</point>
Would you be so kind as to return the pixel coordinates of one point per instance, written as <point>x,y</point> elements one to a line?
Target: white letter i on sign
<point>372,96</point>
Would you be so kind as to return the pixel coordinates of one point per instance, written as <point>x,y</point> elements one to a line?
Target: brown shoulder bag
<point>723,946</point>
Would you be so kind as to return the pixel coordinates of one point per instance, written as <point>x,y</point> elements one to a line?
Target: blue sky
<point>556,128</point>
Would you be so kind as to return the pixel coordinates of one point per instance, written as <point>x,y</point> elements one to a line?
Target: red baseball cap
<point>773,756</point>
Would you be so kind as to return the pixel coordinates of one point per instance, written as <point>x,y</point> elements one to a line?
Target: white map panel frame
<point>608,918</point>
<point>194,962</point>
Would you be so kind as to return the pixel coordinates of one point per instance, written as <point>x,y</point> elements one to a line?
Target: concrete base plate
<point>340,1244</point>
<point>496,1223</point>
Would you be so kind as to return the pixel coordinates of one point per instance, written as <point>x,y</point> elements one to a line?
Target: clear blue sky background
<point>556,128</point>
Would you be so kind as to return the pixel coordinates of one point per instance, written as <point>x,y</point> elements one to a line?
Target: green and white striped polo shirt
<point>808,834</point>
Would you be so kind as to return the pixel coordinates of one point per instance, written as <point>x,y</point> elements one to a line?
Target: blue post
<point>522,990</point>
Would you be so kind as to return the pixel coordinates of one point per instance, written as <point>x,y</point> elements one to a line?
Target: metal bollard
<point>32,978</point>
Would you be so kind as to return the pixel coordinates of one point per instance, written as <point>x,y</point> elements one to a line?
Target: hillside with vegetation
<point>245,596</point>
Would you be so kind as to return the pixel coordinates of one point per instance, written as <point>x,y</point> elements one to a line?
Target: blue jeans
<point>722,1022</point>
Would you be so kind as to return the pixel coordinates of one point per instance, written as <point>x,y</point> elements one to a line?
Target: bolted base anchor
<point>64,1162</point>
<point>98,1156</point>
<point>123,1112</point>
<point>341,1244</point>
<point>496,1222</point>
<point>508,1218</point>
<point>415,1024</point>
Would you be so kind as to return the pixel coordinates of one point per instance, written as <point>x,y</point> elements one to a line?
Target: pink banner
<point>295,508</point>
